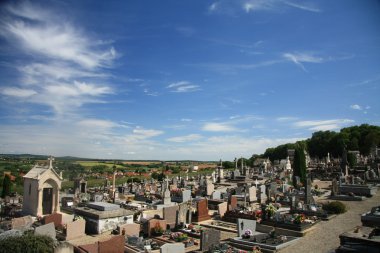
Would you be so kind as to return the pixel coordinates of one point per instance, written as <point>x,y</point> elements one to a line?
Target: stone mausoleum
<point>41,190</point>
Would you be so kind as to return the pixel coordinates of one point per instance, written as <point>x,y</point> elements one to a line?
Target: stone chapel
<point>41,190</point>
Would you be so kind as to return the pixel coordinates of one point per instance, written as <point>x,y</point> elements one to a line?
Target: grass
<point>93,163</point>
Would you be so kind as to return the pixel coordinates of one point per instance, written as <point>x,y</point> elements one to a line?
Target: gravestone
<point>169,214</point>
<point>202,211</point>
<point>130,229</point>
<point>222,208</point>
<point>75,229</point>
<point>244,224</point>
<point>209,188</point>
<point>22,223</point>
<point>186,196</point>
<point>173,248</point>
<point>334,187</point>
<point>48,230</point>
<point>232,203</point>
<point>252,194</point>
<point>182,214</point>
<point>209,239</point>
<point>216,195</point>
<point>263,196</point>
<point>56,218</point>
<point>308,196</point>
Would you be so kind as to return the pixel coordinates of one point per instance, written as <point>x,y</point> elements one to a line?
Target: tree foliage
<point>299,165</point>
<point>27,243</point>
<point>362,138</point>
<point>6,186</point>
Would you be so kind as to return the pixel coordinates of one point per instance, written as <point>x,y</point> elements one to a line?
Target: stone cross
<point>51,159</point>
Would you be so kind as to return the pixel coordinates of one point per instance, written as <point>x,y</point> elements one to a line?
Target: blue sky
<point>188,79</point>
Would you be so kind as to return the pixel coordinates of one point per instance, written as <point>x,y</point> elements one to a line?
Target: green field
<point>94,163</point>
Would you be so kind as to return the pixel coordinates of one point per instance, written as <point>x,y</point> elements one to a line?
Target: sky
<point>177,80</point>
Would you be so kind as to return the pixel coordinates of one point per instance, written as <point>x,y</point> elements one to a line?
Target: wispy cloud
<point>250,6</point>
<point>185,138</point>
<point>183,86</point>
<point>66,67</point>
<point>303,6</point>
<point>323,125</point>
<point>300,58</point>
<point>286,118</point>
<point>219,127</point>
<point>17,92</point>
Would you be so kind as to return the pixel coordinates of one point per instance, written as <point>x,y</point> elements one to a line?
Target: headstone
<point>56,218</point>
<point>244,224</point>
<point>209,239</point>
<point>202,211</point>
<point>186,195</point>
<point>308,196</point>
<point>169,214</point>
<point>209,188</point>
<point>263,196</point>
<point>48,230</point>
<point>173,248</point>
<point>334,187</point>
<point>216,195</point>
<point>130,229</point>
<point>75,229</point>
<point>222,208</point>
<point>22,222</point>
<point>232,203</point>
<point>252,194</point>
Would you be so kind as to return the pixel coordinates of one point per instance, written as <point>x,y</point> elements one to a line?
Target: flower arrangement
<point>158,230</point>
<point>178,236</point>
<point>256,249</point>
<point>247,234</point>
<point>299,218</point>
<point>270,210</point>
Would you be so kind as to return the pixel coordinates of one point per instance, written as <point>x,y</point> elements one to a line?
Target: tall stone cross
<point>51,159</point>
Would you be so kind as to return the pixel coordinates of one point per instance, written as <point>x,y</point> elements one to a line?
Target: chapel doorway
<point>47,201</point>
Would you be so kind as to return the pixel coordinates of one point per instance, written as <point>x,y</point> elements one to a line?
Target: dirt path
<point>325,237</point>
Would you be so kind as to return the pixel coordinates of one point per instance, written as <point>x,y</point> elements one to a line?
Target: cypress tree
<point>6,186</point>
<point>299,166</point>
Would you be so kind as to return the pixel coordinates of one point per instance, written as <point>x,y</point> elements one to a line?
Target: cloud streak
<point>183,87</point>
<point>65,65</point>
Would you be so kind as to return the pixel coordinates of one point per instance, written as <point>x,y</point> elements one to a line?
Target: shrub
<point>335,207</point>
<point>27,243</point>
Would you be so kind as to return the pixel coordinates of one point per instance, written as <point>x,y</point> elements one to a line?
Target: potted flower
<point>158,230</point>
<point>247,234</point>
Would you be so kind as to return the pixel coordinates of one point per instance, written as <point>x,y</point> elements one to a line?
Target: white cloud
<point>185,138</point>
<point>53,38</point>
<point>299,58</point>
<point>141,133</point>
<point>65,64</point>
<point>323,125</point>
<point>256,5</point>
<point>17,92</point>
<point>286,118</point>
<point>303,6</point>
<point>186,120</point>
<point>183,86</point>
<point>356,107</point>
<point>218,127</point>
<point>97,123</point>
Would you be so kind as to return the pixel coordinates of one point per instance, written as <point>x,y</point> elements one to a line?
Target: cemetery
<point>264,207</point>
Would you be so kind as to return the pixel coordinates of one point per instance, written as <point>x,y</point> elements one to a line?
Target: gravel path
<point>325,237</point>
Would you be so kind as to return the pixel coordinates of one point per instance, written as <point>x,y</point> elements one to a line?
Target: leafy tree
<point>27,243</point>
<point>228,165</point>
<point>6,186</point>
<point>351,158</point>
<point>299,166</point>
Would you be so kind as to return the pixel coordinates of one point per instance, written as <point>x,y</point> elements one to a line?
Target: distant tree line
<point>362,138</point>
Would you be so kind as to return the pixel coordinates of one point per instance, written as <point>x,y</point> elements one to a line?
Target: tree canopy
<point>362,138</point>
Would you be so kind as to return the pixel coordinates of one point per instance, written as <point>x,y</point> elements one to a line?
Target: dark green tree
<point>351,159</point>
<point>6,186</point>
<point>299,166</point>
